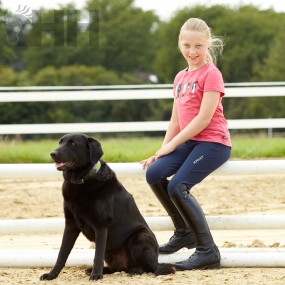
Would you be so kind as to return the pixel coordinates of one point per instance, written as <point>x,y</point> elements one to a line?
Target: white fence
<point>231,257</point>
<point>230,222</point>
<point>134,92</point>
<point>232,167</point>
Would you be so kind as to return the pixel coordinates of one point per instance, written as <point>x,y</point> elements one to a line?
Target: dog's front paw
<point>48,276</point>
<point>96,276</point>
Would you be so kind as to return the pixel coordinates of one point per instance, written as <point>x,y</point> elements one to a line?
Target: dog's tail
<point>164,269</point>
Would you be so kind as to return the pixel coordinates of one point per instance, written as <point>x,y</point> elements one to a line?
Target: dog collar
<point>97,166</point>
<point>93,171</point>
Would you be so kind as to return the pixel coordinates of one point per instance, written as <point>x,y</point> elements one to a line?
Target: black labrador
<point>98,205</point>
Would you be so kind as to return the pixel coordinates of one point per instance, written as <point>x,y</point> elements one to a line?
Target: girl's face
<point>193,46</point>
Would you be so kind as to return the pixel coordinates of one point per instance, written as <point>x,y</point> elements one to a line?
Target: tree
<point>116,35</point>
<point>247,33</point>
<point>126,38</point>
<point>49,41</point>
<point>7,46</point>
<point>273,68</point>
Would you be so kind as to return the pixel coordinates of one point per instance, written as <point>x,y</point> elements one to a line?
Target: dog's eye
<point>71,143</point>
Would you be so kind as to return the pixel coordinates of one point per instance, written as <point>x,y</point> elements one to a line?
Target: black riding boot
<point>206,255</point>
<point>183,236</point>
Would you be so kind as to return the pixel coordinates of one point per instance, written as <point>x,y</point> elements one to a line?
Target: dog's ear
<point>95,150</point>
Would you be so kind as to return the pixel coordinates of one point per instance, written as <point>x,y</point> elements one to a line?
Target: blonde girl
<point>196,143</point>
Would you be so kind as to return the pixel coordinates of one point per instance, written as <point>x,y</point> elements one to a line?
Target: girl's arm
<point>208,107</point>
<point>173,126</point>
<point>171,132</point>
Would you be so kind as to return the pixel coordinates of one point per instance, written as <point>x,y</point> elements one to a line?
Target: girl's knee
<point>173,184</point>
<point>151,176</point>
<point>170,188</point>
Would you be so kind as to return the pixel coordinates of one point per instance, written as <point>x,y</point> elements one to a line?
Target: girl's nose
<point>192,50</point>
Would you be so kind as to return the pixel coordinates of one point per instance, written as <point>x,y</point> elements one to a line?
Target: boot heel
<point>191,245</point>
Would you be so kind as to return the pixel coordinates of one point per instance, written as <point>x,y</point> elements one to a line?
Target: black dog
<point>98,205</point>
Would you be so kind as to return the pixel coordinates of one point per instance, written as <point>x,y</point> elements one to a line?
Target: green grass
<point>27,151</point>
<point>135,149</point>
<point>256,148</point>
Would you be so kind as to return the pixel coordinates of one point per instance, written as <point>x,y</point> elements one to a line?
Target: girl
<point>197,142</point>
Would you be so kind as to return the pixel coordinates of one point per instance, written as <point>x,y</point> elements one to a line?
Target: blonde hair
<point>216,44</point>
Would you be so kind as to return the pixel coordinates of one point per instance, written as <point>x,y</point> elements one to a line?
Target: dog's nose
<point>53,154</point>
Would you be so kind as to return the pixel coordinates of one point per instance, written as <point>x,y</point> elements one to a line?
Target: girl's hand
<point>164,150</point>
<point>147,162</point>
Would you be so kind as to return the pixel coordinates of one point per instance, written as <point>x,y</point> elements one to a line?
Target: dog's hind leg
<point>150,263</point>
<point>116,260</point>
<point>143,250</point>
<point>144,255</point>
<point>144,259</point>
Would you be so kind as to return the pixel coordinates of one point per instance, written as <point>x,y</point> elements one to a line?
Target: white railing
<point>128,92</point>
<point>231,167</point>
<point>231,257</point>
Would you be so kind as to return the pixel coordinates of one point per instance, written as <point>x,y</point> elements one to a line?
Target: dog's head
<point>76,155</point>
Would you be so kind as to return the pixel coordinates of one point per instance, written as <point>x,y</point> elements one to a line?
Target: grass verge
<point>135,149</point>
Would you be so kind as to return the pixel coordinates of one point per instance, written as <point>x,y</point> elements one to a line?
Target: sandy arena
<point>218,195</point>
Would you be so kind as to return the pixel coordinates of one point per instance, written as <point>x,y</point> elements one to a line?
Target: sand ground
<point>218,195</point>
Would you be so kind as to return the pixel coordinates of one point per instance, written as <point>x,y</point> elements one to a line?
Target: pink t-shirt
<point>189,87</point>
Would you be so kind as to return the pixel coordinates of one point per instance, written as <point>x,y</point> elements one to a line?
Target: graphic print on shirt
<point>186,88</point>
<point>194,86</point>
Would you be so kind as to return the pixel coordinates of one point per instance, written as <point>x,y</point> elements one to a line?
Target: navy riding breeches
<point>189,164</point>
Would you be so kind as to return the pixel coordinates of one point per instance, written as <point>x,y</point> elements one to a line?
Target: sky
<point>164,9</point>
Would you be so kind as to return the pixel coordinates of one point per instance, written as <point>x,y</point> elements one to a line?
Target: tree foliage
<point>115,42</point>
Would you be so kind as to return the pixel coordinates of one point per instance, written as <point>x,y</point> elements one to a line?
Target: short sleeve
<point>214,82</point>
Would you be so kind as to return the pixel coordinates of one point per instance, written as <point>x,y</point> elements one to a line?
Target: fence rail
<point>232,167</point>
<point>230,257</point>
<point>151,126</point>
<point>128,92</point>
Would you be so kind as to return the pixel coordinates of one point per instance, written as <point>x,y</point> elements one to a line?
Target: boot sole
<point>176,249</point>
<point>207,267</point>
<point>212,266</point>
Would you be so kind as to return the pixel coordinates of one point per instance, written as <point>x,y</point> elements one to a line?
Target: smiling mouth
<point>63,165</point>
